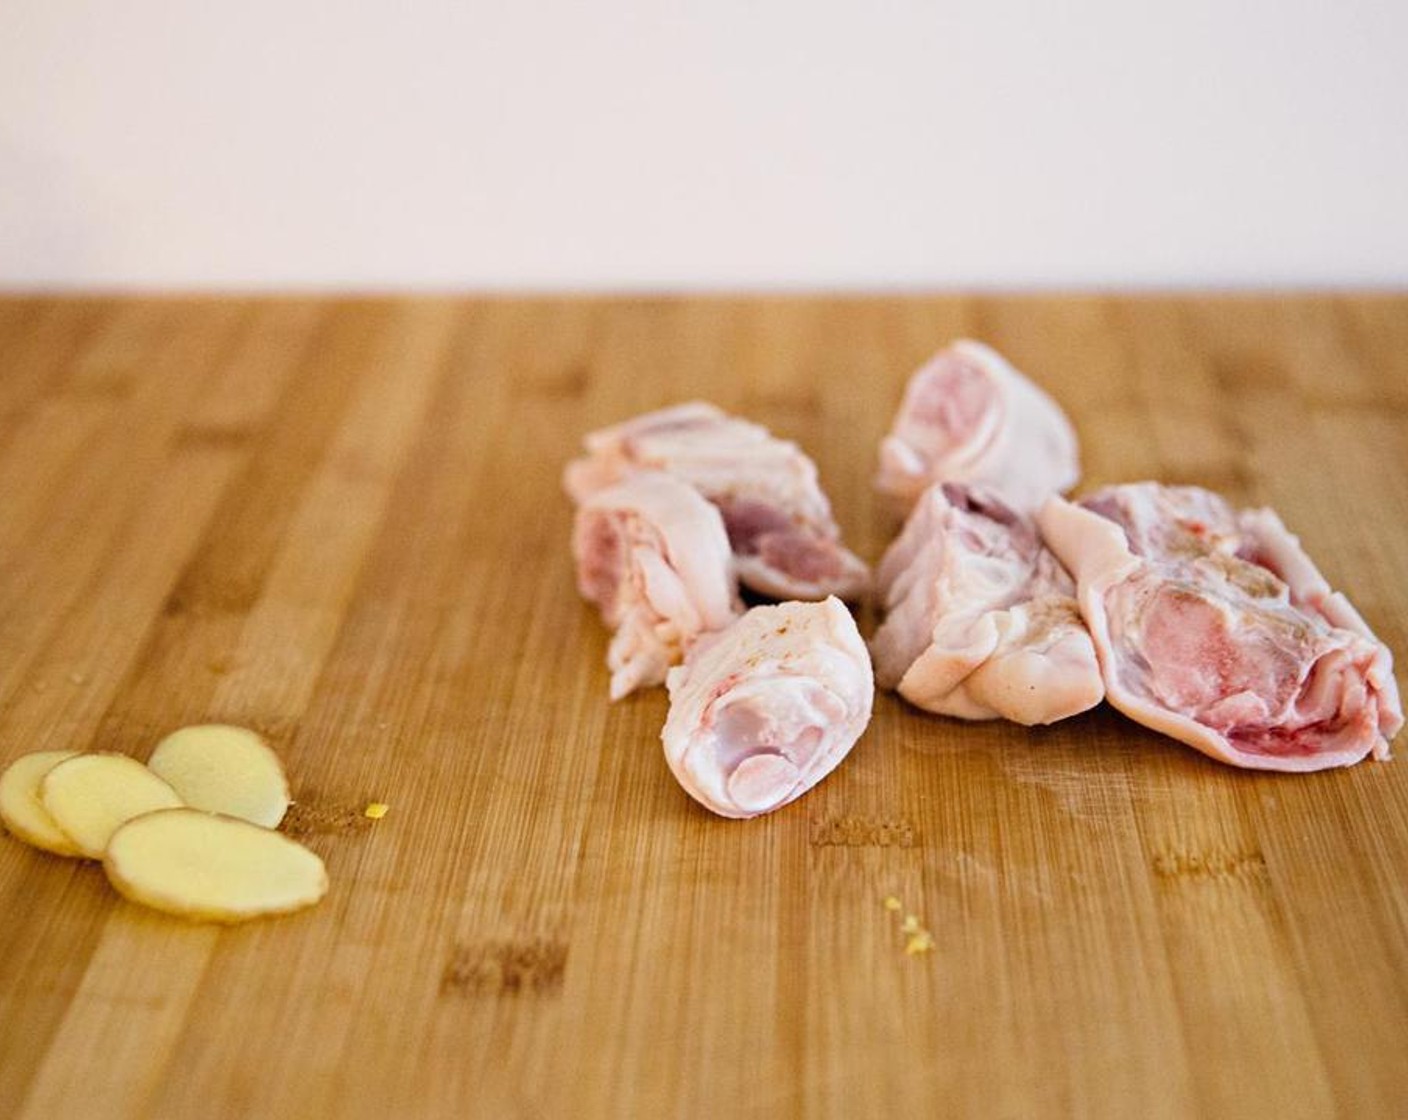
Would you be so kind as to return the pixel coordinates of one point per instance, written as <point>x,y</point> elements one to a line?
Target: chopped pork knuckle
<point>764,710</point>
<point>968,416</point>
<point>785,540</point>
<point>981,620</point>
<point>654,557</point>
<point>1215,628</point>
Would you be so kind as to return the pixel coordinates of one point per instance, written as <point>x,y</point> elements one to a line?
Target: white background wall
<point>724,143</point>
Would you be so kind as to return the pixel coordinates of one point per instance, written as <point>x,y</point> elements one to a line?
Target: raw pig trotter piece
<point>982,621</point>
<point>1214,627</point>
<point>653,555</point>
<point>784,538</point>
<point>968,416</point>
<point>762,711</point>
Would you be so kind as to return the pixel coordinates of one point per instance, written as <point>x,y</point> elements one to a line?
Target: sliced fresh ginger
<point>212,868</point>
<point>22,811</point>
<point>224,769</point>
<point>90,795</point>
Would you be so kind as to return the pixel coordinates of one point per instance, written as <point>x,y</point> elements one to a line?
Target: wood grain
<point>339,521</point>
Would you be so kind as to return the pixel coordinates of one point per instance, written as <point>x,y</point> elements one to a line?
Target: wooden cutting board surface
<point>339,522</point>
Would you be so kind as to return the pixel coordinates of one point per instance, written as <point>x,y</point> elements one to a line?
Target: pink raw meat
<point>762,711</point>
<point>785,540</point>
<point>1214,627</point>
<point>968,416</point>
<point>653,555</point>
<point>982,621</point>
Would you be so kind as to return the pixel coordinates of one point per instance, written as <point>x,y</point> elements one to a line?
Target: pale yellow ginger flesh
<point>224,769</point>
<point>375,810</point>
<point>917,939</point>
<point>91,795</point>
<point>22,811</point>
<point>211,868</point>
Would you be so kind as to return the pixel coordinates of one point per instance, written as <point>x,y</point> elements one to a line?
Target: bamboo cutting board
<point>339,522</point>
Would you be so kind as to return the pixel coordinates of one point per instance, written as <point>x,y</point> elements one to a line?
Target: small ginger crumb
<point>375,810</point>
<point>917,939</point>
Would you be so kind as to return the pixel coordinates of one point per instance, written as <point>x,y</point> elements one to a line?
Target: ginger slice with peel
<point>213,868</point>
<point>20,808</point>
<point>91,795</point>
<point>224,769</point>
